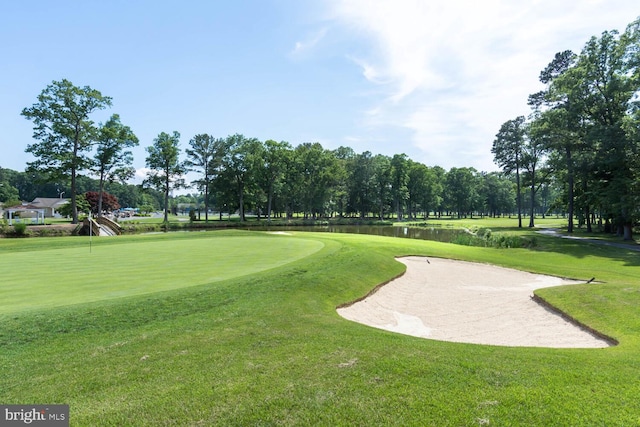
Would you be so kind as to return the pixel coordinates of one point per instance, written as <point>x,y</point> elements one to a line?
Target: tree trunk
<point>269,201</point>
<point>206,200</point>
<point>166,200</point>
<point>533,199</point>
<point>74,203</point>
<point>241,198</point>
<point>518,198</point>
<point>570,182</point>
<point>100,194</point>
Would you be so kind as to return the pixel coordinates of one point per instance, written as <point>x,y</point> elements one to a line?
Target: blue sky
<point>431,79</point>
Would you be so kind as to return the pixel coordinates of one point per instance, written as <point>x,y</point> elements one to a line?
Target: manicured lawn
<point>267,347</point>
<point>71,275</point>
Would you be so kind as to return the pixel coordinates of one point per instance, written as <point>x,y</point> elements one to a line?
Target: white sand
<point>467,302</point>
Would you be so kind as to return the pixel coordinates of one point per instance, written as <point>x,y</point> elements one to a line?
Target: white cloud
<point>141,174</point>
<point>451,73</point>
<point>368,71</point>
<point>301,47</point>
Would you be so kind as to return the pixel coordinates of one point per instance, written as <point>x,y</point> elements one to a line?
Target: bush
<point>484,237</point>
<point>20,229</point>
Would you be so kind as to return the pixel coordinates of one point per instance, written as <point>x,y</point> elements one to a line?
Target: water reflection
<point>429,233</point>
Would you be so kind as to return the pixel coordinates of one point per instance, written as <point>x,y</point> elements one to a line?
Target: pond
<point>428,233</point>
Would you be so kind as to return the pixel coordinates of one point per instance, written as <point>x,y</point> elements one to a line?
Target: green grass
<point>44,277</point>
<point>267,347</point>
<point>501,223</point>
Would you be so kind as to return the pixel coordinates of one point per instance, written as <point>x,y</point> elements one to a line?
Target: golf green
<point>72,275</point>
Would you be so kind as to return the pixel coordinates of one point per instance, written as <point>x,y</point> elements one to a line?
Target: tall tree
<point>7,190</point>
<point>418,189</point>
<point>275,157</point>
<point>534,162</point>
<point>498,193</point>
<point>362,184</point>
<point>203,156</point>
<point>590,100</point>
<point>113,160</point>
<point>462,190</point>
<point>558,111</point>
<point>399,180</point>
<point>166,168</point>
<point>64,132</point>
<point>240,165</point>
<point>610,70</point>
<point>315,171</point>
<point>382,181</point>
<point>507,153</point>
<point>344,158</point>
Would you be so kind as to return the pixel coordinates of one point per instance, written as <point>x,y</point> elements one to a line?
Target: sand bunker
<point>467,302</point>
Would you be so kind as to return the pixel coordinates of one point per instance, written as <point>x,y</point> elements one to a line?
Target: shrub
<point>20,228</point>
<point>484,237</point>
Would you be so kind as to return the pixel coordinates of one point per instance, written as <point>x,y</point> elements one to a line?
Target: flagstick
<point>90,231</point>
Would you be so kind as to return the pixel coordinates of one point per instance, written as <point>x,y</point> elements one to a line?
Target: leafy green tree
<point>590,102</point>
<point>559,114</point>
<point>315,169</point>
<point>64,131</point>
<point>240,162</point>
<point>146,209</point>
<point>399,179</point>
<point>7,190</point>
<point>498,194</point>
<point>166,168</point>
<point>609,67</point>
<point>462,193</point>
<point>344,158</point>
<point>148,199</point>
<point>438,181</point>
<point>418,189</point>
<point>362,184</point>
<point>382,184</point>
<point>82,206</point>
<point>507,152</point>
<point>534,164</point>
<point>10,203</point>
<point>566,144</point>
<point>204,156</point>
<point>113,159</point>
<point>128,195</point>
<point>275,157</point>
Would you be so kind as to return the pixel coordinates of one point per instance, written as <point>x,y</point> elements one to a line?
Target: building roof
<point>49,202</point>
<point>29,207</point>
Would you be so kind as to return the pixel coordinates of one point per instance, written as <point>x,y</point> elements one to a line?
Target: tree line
<point>577,152</point>
<point>74,156</point>
<point>583,134</point>
<point>274,179</point>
